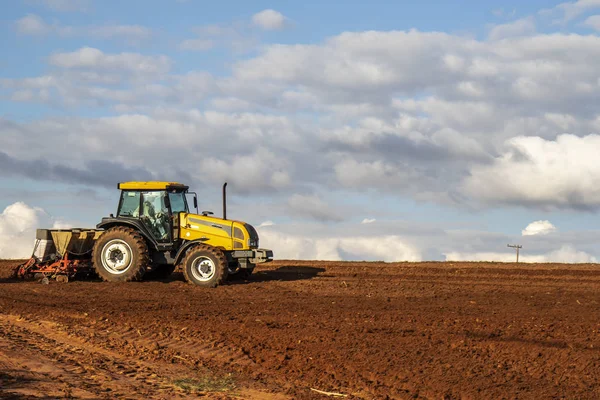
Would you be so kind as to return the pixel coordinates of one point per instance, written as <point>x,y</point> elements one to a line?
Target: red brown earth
<point>365,330</point>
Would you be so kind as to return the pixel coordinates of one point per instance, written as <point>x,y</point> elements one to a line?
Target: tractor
<point>154,232</point>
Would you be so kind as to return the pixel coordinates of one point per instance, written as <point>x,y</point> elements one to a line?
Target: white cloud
<point>259,171</point>
<point>91,58</point>
<point>266,223</point>
<point>539,228</point>
<point>34,25</point>
<point>368,220</point>
<point>230,145</point>
<point>566,254</point>
<point>521,27</point>
<point>533,171</point>
<point>593,22</point>
<point>235,36</point>
<point>269,20</point>
<point>355,174</point>
<point>18,223</point>
<point>409,113</point>
<point>371,248</point>
<point>568,11</point>
<point>60,224</point>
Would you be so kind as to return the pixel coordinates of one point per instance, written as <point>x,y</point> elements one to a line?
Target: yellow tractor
<point>154,232</point>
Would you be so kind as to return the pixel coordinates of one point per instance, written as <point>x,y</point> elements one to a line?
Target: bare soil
<point>364,330</point>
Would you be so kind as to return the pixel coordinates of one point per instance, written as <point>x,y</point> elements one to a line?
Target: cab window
<point>130,204</point>
<point>178,202</point>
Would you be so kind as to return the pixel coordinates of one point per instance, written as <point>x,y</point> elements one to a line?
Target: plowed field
<point>363,330</point>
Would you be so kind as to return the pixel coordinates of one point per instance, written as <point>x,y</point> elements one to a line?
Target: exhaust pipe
<point>225,200</point>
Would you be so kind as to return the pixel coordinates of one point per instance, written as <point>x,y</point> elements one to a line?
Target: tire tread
<point>221,269</point>
<point>139,246</point>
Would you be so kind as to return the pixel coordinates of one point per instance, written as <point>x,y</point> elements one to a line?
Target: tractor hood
<point>219,232</point>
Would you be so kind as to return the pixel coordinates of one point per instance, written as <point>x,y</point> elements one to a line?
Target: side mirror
<point>195,202</point>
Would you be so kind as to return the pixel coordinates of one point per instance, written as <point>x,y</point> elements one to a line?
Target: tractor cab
<point>156,204</point>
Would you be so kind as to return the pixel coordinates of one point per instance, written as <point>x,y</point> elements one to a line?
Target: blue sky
<point>368,130</point>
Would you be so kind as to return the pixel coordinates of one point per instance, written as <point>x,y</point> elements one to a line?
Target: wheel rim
<point>203,269</point>
<point>116,257</point>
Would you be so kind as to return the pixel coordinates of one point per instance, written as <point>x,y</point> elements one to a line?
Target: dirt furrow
<point>366,330</point>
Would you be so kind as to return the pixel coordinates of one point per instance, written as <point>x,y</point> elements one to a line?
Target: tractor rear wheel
<point>120,255</point>
<point>205,265</point>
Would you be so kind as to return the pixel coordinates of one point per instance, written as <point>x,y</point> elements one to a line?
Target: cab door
<point>155,215</point>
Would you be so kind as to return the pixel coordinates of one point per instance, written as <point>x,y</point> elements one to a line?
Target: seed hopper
<point>60,254</point>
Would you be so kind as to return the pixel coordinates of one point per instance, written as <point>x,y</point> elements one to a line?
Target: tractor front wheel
<point>205,265</point>
<point>120,255</point>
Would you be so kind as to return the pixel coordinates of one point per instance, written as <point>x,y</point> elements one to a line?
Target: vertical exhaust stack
<point>225,200</point>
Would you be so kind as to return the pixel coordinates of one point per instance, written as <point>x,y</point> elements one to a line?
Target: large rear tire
<point>205,266</point>
<point>120,255</point>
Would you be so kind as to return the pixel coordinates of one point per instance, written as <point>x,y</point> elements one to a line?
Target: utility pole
<point>516,247</point>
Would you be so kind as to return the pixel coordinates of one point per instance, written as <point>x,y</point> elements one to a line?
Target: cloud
<point>18,223</point>
<point>521,27</point>
<point>34,25</point>
<point>593,22</point>
<point>536,172</point>
<point>371,248</point>
<point>568,11</point>
<point>410,114</point>
<point>259,171</point>
<point>355,174</point>
<point>566,254</point>
<point>92,58</point>
<point>269,20</point>
<point>231,146</point>
<point>538,228</point>
<point>237,36</point>
<point>266,223</point>
<point>94,172</point>
<point>368,220</point>
<point>312,206</point>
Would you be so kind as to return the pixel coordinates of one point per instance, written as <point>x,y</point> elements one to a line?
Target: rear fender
<point>108,223</point>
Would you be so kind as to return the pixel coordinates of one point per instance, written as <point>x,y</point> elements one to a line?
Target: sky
<point>394,131</point>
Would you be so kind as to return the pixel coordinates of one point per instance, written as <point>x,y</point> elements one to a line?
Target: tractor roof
<point>153,185</point>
